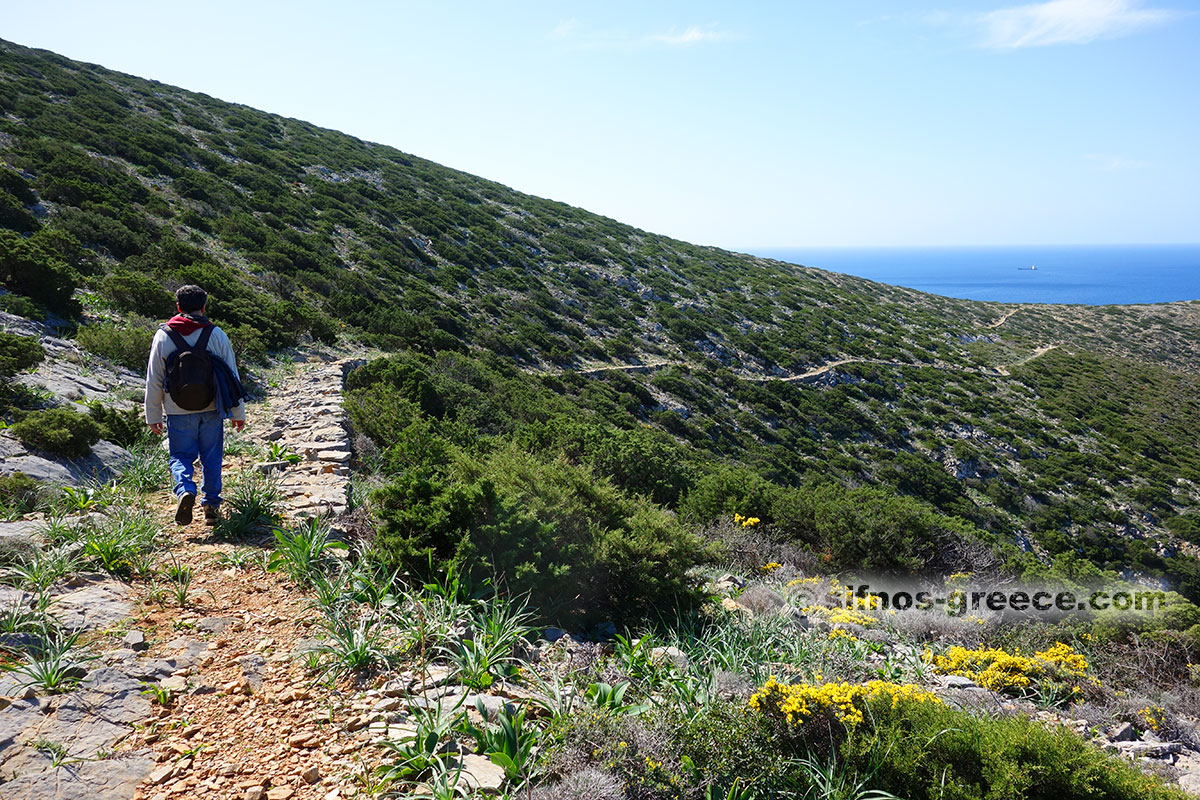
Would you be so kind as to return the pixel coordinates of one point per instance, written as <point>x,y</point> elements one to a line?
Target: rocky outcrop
<point>103,463</point>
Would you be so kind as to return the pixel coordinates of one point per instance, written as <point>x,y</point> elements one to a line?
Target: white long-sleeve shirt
<point>157,399</point>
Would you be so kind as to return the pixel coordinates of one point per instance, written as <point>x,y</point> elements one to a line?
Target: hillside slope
<point>116,189</point>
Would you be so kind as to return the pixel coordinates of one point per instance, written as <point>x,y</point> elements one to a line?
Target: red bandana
<point>186,323</point>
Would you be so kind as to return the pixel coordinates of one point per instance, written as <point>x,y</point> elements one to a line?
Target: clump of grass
<point>420,756</point>
<point>488,654</point>
<point>122,545</point>
<point>254,507</point>
<point>54,666</point>
<point>240,558</point>
<point>353,643</point>
<point>146,470</point>
<point>304,551</point>
<point>38,573</point>
<point>159,694</point>
<point>180,578</point>
<point>19,495</point>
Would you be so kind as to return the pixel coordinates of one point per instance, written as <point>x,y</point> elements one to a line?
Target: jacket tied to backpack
<point>187,377</point>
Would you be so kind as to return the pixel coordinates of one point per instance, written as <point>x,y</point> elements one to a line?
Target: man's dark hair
<point>191,298</point>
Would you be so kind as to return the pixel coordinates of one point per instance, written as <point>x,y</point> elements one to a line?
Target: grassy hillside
<point>530,330</point>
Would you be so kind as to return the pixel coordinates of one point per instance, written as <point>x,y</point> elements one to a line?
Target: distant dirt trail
<point>824,368</point>
<point>1003,318</point>
<point>1038,353</point>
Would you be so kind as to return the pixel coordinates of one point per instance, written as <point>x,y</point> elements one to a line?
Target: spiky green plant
<point>304,551</point>
<point>55,666</point>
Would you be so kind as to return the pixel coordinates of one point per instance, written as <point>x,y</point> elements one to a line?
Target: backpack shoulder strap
<point>180,343</point>
<point>205,335</point>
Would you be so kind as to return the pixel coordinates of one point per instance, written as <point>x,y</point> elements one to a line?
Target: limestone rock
<point>1122,733</point>
<point>1190,782</point>
<point>111,779</point>
<point>480,774</point>
<point>104,462</point>
<point>20,540</point>
<point>956,682</point>
<point>135,641</point>
<point>99,605</point>
<point>761,601</point>
<point>671,654</point>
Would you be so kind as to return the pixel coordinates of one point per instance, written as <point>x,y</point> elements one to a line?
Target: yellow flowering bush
<point>835,616</point>
<point>746,522</point>
<point>1153,718</point>
<point>799,702</point>
<point>1001,671</point>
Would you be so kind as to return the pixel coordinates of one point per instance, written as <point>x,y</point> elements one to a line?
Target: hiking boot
<point>183,513</point>
<point>212,515</point>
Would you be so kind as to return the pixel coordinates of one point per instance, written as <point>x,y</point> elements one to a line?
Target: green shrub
<point>33,267</point>
<point>136,292</point>
<point>58,430</point>
<point>19,353</point>
<point>247,343</point>
<point>15,216</point>
<point>924,751</point>
<point>125,428</point>
<point>21,306</point>
<point>581,548</point>
<point>127,344</point>
<point>19,492</point>
<point>914,750</point>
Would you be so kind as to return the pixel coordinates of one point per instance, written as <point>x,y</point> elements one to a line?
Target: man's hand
<point>157,427</point>
<point>237,424</point>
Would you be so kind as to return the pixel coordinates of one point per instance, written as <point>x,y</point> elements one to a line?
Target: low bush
<point>136,292</point>
<point>578,545</point>
<point>874,741</point>
<point>19,353</point>
<point>21,306</point>
<point>125,428</point>
<point>32,267</point>
<point>19,493</point>
<point>925,751</point>
<point>127,344</point>
<point>59,431</point>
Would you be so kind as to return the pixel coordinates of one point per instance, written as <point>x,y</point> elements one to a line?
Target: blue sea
<point>1094,274</point>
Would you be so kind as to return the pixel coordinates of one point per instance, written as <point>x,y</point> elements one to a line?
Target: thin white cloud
<point>583,36</point>
<point>1111,163</point>
<point>693,35</point>
<point>1067,22</point>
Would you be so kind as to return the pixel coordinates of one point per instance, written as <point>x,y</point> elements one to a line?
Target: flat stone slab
<point>20,539</point>
<point>114,778</point>
<point>94,607</point>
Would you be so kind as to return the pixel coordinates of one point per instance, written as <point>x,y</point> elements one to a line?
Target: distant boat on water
<point>1028,268</point>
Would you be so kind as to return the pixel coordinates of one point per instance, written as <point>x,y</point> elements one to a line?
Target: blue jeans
<point>192,435</point>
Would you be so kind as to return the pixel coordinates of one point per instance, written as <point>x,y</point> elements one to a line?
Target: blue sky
<point>858,122</point>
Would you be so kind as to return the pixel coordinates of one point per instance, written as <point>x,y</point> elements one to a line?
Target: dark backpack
<point>190,379</point>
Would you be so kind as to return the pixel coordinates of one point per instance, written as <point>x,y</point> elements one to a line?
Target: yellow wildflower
<point>797,702</point>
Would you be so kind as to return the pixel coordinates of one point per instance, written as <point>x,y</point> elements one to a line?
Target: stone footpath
<point>307,420</point>
<point>106,739</point>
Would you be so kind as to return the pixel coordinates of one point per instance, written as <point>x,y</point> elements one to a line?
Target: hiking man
<point>192,376</point>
